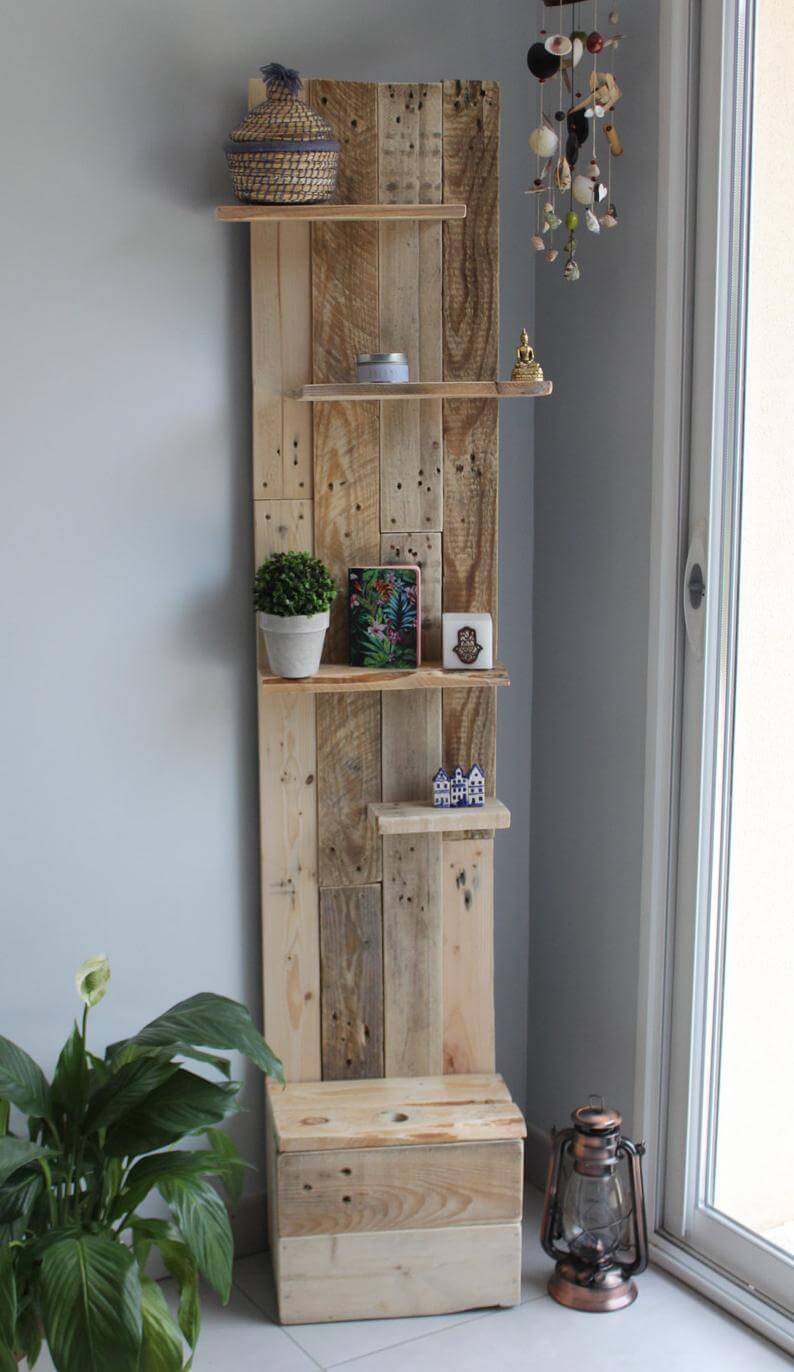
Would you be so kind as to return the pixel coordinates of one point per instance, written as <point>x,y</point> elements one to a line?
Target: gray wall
<point>592,512</point>
<point>128,779</point>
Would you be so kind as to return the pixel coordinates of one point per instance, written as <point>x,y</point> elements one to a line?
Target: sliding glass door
<point>729,1175</point>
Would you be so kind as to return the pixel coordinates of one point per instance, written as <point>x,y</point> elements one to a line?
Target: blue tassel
<point>275,74</point>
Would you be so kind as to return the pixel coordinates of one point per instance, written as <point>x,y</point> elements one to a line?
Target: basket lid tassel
<point>276,75</point>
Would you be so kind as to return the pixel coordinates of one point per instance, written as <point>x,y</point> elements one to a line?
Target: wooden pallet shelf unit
<point>394,1151</point>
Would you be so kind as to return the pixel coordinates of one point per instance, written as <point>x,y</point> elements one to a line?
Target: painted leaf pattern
<point>383,616</point>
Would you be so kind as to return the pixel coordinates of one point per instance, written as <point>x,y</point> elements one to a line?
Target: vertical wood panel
<point>347,479</point>
<point>467,868</point>
<point>471,348</point>
<point>266,362</point>
<point>352,983</point>
<point>349,775</point>
<point>410,305</point>
<point>290,920</point>
<point>425,550</point>
<point>412,955</point>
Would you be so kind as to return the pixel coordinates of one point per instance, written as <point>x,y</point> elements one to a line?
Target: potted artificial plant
<point>293,593</point>
<point>99,1139</point>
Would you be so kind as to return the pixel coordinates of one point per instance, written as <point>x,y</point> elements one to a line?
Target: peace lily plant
<point>100,1138</point>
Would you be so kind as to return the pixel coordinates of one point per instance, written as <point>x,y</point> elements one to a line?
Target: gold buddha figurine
<point>525,368</point>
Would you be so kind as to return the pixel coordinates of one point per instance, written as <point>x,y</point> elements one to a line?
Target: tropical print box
<point>385,616</point>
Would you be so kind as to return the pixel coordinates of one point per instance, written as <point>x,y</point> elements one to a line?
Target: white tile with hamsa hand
<point>467,641</point>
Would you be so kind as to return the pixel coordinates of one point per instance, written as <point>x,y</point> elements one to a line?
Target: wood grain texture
<point>356,1190</point>
<point>387,1274</point>
<point>412,955</point>
<point>298,1098</point>
<point>281,352</point>
<point>253,214</point>
<point>471,247</point>
<point>335,677</point>
<point>290,917</point>
<point>410,304</point>
<point>469,1033</point>
<point>424,549</point>
<point>349,779</point>
<point>362,1126</point>
<point>403,817</point>
<point>345,292</point>
<point>352,982</point>
<point>471,348</point>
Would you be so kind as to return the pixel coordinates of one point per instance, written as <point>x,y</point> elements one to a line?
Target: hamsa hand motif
<point>467,648</point>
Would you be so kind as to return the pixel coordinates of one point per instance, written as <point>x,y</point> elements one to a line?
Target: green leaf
<point>180,1263</point>
<point>16,1153</point>
<point>8,1362</point>
<point>19,1194</point>
<point>71,1075</point>
<point>185,1104</point>
<point>202,1218</point>
<point>171,1050</point>
<point>22,1081</point>
<point>5,1111</point>
<point>28,1335</point>
<point>211,1021</point>
<point>8,1297</point>
<point>161,1349</point>
<point>125,1089</point>
<point>91,1297</point>
<point>232,1173</point>
<point>157,1167</point>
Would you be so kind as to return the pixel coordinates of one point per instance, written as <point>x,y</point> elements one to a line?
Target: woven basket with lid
<point>284,152</point>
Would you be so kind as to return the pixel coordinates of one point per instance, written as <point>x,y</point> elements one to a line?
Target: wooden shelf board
<point>418,390</point>
<point>409,817</point>
<point>255,214</point>
<point>339,676</point>
<point>391,1111</point>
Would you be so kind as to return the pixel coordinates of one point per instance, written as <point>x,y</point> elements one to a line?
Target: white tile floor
<point>668,1329</point>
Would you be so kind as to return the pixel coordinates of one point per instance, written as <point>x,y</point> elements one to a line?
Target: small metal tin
<point>383,367</point>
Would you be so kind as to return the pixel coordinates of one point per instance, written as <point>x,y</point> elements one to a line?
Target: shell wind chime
<point>569,187</point>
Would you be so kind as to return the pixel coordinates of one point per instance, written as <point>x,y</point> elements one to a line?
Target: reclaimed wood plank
<point>355,1190</point>
<point>354,1126</point>
<point>252,214</point>
<point>290,898</point>
<point>469,1031</point>
<point>349,779</point>
<point>424,549</point>
<point>410,304</point>
<point>385,1275</point>
<point>412,955</point>
<point>415,817</point>
<point>352,982</point>
<point>299,1098</point>
<point>471,348</point>
<point>427,390</point>
<point>335,676</point>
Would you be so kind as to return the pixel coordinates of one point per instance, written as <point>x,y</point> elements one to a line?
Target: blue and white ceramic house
<point>461,790</point>
<point>441,790</point>
<point>459,794</point>
<point>475,786</point>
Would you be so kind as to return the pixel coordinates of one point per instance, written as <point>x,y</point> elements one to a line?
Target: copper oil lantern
<point>594,1215</point>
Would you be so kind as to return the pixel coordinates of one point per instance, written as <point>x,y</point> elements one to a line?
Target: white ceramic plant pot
<point>294,642</point>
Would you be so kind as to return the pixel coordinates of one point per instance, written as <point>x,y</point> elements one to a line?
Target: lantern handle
<point>635,1153</point>
<point>560,1140</point>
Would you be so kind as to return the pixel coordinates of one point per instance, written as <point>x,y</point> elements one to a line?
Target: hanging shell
<point>591,222</point>
<point>559,44</point>
<point>552,220</point>
<point>537,242</point>
<point>583,190</point>
<point>562,175</point>
<point>571,270</point>
<point>610,219</point>
<point>552,255</point>
<point>543,141</point>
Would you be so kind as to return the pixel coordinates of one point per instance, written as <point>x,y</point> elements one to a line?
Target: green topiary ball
<point>293,584</point>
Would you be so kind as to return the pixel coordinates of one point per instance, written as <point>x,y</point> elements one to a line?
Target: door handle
<point>694,590</point>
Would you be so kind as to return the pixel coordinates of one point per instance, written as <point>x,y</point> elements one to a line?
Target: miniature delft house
<point>395,1150</point>
<point>459,789</point>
